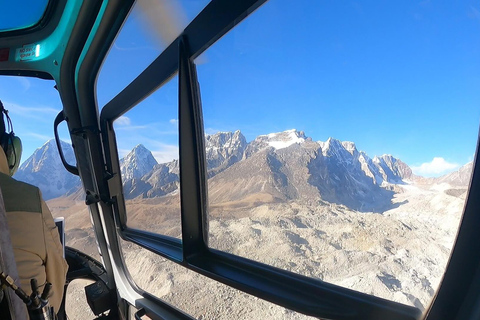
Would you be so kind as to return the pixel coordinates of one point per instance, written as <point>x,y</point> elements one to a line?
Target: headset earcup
<point>13,153</point>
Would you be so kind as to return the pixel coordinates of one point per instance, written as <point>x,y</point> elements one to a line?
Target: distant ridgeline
<point>45,170</point>
<point>285,166</point>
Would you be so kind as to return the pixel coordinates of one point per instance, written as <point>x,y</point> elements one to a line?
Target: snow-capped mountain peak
<point>391,168</point>
<point>48,151</point>
<point>350,147</point>
<point>137,163</point>
<point>281,140</point>
<point>225,140</point>
<point>335,147</point>
<point>45,170</point>
<point>223,149</point>
<point>277,140</point>
<point>140,151</point>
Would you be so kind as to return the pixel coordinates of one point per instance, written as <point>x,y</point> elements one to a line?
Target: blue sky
<point>14,16</point>
<point>395,77</point>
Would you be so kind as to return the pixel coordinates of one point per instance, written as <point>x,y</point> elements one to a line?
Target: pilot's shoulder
<point>19,196</point>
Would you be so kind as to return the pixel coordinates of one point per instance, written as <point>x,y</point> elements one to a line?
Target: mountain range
<point>280,167</point>
<point>45,170</point>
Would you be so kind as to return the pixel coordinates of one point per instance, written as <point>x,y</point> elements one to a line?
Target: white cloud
<point>123,121</point>
<point>174,121</point>
<point>436,167</point>
<point>24,82</point>
<point>131,128</point>
<point>41,137</point>
<point>474,13</point>
<point>167,153</point>
<point>38,113</point>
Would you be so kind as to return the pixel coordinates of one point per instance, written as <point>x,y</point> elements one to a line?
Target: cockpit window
<point>327,142</point>
<point>148,151</point>
<point>16,15</point>
<point>338,148</point>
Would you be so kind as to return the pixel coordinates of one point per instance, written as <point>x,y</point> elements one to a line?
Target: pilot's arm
<point>55,265</point>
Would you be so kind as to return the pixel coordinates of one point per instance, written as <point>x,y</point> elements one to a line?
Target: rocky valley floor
<point>399,254</point>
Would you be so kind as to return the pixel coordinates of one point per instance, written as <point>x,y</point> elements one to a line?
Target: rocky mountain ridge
<point>459,178</point>
<point>282,166</point>
<point>279,166</point>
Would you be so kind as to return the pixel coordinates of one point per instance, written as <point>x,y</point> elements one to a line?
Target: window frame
<point>303,294</point>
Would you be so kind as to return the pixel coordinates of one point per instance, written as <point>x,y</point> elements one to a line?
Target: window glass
<point>197,295</point>
<point>151,26</point>
<point>19,15</point>
<point>147,139</point>
<point>340,139</point>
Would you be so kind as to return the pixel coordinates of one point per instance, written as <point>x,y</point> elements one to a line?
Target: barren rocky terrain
<point>399,254</point>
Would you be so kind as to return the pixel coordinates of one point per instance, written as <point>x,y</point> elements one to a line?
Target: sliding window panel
<point>147,142</point>
<point>333,143</point>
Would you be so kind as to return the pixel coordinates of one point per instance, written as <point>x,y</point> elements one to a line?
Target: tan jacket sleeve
<point>55,265</point>
<point>24,230</point>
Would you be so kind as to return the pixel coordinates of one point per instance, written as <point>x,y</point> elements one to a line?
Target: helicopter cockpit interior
<point>187,194</point>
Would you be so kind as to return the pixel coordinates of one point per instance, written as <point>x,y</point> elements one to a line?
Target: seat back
<point>16,307</point>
